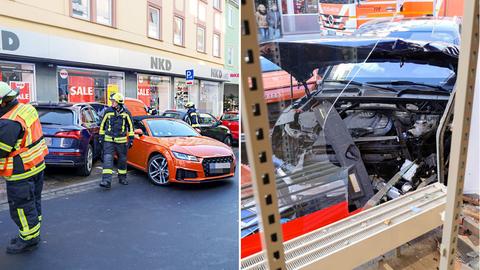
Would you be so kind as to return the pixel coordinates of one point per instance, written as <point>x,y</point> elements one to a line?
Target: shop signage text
<point>216,73</point>
<point>10,41</point>
<point>23,89</point>
<point>160,63</point>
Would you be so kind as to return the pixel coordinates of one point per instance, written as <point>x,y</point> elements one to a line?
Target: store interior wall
<point>46,82</point>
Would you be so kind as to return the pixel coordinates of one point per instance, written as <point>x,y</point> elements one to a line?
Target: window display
<point>88,85</point>
<point>154,91</point>
<point>184,93</point>
<point>20,76</point>
<point>210,98</point>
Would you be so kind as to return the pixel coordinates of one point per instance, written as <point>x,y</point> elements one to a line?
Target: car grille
<point>333,21</point>
<point>207,165</point>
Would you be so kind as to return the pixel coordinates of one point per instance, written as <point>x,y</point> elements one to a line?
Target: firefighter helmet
<point>118,98</point>
<point>6,91</point>
<point>189,105</point>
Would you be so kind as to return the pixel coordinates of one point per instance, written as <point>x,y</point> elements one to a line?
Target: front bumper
<point>184,170</point>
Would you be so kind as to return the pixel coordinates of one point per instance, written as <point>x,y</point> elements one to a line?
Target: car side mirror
<point>138,132</point>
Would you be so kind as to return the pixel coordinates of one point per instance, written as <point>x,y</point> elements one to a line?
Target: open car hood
<point>300,58</point>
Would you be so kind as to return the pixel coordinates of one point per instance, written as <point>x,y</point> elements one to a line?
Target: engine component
<point>368,123</point>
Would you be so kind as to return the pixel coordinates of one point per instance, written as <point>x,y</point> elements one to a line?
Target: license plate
<point>48,141</point>
<point>217,166</point>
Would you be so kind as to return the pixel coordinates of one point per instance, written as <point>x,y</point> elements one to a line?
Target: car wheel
<point>158,170</point>
<point>87,166</point>
<point>228,140</point>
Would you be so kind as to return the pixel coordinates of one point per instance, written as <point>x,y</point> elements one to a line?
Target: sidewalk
<point>139,226</point>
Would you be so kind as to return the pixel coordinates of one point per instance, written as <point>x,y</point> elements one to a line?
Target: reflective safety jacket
<point>193,117</point>
<point>117,126</point>
<point>26,155</point>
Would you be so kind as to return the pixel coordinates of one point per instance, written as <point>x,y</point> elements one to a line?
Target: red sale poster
<point>80,89</point>
<point>143,92</point>
<point>24,91</point>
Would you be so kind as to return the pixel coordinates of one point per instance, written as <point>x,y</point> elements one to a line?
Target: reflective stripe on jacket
<point>193,118</point>
<point>30,149</point>
<point>117,126</point>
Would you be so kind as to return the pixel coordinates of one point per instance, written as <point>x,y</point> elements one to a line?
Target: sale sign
<point>81,89</point>
<point>24,91</point>
<point>143,91</point>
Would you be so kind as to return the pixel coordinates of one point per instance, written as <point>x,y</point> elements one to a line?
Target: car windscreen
<point>172,115</point>
<point>448,37</point>
<point>388,71</point>
<point>55,116</point>
<point>230,117</point>
<point>170,128</point>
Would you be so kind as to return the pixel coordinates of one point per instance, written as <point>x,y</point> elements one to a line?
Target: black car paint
<point>214,130</point>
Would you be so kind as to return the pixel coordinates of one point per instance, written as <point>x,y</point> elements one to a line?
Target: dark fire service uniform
<point>193,117</point>
<point>22,152</point>
<point>117,132</point>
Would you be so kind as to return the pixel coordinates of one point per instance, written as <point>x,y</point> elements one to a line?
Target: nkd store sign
<point>160,64</point>
<point>10,41</point>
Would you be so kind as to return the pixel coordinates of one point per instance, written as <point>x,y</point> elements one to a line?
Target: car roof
<point>174,111</point>
<point>59,105</point>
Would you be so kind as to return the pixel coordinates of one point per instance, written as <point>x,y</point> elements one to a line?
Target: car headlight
<point>184,156</point>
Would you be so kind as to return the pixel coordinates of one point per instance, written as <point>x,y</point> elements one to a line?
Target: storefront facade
<point>46,67</point>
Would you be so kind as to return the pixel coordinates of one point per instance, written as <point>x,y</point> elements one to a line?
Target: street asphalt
<point>139,226</point>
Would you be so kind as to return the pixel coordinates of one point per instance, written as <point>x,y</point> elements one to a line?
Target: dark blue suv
<point>71,133</point>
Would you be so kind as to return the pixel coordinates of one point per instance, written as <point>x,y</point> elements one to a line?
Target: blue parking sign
<point>189,74</point>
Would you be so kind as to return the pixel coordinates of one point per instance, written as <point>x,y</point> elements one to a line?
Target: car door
<point>138,154</point>
<point>90,122</point>
<point>209,126</point>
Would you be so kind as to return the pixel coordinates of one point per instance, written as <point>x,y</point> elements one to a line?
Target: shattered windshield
<point>387,71</point>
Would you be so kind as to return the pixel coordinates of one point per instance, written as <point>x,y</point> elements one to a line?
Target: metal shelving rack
<point>375,231</point>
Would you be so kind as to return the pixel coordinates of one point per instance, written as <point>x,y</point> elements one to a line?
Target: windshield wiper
<point>411,83</point>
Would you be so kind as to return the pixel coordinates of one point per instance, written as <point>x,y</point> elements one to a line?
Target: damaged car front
<point>366,132</point>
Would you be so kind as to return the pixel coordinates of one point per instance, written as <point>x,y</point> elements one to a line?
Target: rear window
<point>55,116</point>
<point>230,117</point>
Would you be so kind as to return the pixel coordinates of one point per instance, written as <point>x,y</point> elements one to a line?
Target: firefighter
<point>192,115</point>
<point>116,135</point>
<point>22,153</point>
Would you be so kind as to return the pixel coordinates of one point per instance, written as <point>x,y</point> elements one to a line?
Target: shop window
<point>200,39</point>
<point>154,91</point>
<point>216,45</point>
<point>20,77</point>
<point>184,93</point>
<point>88,85</point>
<point>178,30</point>
<point>97,11</point>
<point>300,6</point>
<point>154,22</point>
<point>210,101</point>
<point>202,11</point>
<point>217,4</point>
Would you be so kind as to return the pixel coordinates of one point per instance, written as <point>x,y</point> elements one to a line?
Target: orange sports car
<point>169,150</point>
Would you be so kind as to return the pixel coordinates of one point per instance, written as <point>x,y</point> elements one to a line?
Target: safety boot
<point>21,246</point>
<point>105,184</point>
<point>15,238</point>
<point>123,181</point>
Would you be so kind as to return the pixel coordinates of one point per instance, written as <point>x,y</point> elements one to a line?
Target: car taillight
<point>74,134</point>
